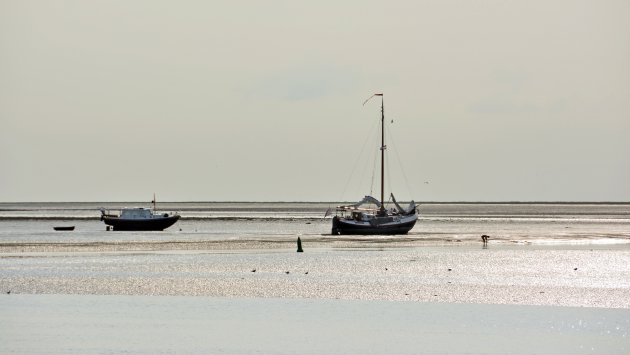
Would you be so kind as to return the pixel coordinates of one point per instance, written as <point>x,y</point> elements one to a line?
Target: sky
<point>491,100</point>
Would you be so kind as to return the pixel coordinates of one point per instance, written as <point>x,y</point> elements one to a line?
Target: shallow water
<point>63,324</point>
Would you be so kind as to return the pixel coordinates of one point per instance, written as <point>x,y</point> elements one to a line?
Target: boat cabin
<point>353,213</point>
<point>136,213</point>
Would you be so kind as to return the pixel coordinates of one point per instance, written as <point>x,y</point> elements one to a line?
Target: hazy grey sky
<point>261,100</point>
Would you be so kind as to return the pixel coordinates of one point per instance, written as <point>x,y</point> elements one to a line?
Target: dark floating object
<point>254,270</point>
<point>306,273</point>
<point>575,269</point>
<point>286,272</point>
<point>299,245</point>
<point>450,269</point>
<point>64,228</point>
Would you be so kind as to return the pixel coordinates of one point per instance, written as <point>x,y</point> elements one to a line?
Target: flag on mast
<point>368,99</point>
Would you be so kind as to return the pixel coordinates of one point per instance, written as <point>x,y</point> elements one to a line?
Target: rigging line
<point>356,162</point>
<point>388,173</point>
<point>402,169</point>
<point>361,180</point>
<point>373,172</point>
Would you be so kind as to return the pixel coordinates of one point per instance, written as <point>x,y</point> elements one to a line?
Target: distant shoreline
<point>340,202</point>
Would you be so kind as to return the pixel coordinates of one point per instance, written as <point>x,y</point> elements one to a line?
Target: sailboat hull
<point>350,226</point>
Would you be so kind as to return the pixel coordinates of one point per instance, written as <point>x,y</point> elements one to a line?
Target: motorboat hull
<point>148,224</point>
<point>349,226</point>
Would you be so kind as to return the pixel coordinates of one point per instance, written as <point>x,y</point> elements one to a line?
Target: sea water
<point>34,222</point>
<point>226,278</point>
<point>70,324</point>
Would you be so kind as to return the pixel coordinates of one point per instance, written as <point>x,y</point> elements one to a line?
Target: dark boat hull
<point>341,226</point>
<point>152,224</point>
<point>64,228</point>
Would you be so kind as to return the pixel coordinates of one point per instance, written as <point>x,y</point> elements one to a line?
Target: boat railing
<point>165,214</point>
<point>106,213</point>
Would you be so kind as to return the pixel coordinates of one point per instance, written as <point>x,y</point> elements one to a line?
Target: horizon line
<point>296,201</point>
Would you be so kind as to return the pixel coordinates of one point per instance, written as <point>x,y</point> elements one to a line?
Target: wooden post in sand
<point>299,242</point>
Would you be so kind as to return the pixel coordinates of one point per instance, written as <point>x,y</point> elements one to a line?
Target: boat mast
<point>383,147</point>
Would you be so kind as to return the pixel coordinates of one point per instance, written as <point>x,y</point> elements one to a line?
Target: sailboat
<point>356,219</point>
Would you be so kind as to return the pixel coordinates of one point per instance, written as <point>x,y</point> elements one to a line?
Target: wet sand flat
<point>591,275</point>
